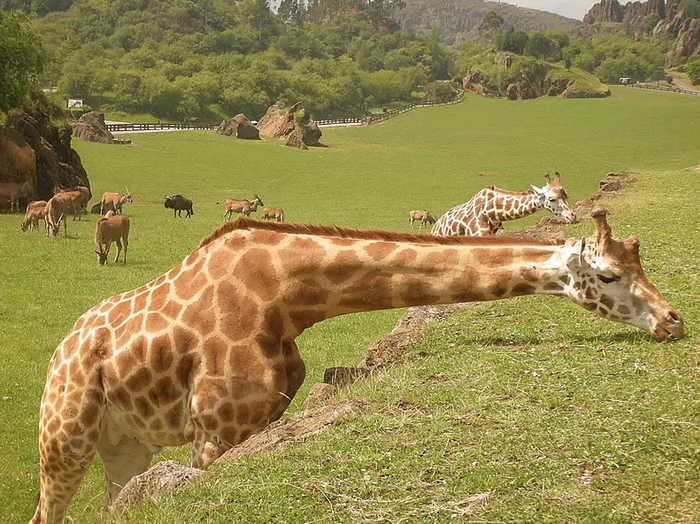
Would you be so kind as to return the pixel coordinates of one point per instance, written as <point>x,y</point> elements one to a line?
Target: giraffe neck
<point>511,206</point>
<point>307,278</point>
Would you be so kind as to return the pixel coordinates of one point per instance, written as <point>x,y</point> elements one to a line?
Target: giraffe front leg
<point>122,461</point>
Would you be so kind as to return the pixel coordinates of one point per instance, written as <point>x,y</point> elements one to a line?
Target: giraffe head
<point>606,277</point>
<point>553,197</point>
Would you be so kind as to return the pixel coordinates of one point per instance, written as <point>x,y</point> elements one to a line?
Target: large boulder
<point>17,161</point>
<point>239,127</point>
<point>292,125</point>
<point>91,127</point>
<point>44,128</point>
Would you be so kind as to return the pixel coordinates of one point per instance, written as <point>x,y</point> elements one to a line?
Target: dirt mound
<point>91,127</point>
<point>407,330</point>
<point>239,127</point>
<point>607,187</point>
<point>310,422</point>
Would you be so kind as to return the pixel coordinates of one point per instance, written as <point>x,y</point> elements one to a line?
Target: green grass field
<point>424,445</point>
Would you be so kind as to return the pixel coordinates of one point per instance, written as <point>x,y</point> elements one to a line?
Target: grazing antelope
<point>87,195</point>
<point>35,211</point>
<point>14,191</point>
<point>423,216</point>
<point>115,201</point>
<point>244,207</point>
<point>272,213</point>
<point>108,230</point>
<point>76,202</point>
<point>55,211</point>
<point>178,203</point>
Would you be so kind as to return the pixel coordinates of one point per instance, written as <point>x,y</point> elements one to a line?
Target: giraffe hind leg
<point>68,438</point>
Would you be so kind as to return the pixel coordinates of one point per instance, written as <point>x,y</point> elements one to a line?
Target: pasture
<point>606,429</point>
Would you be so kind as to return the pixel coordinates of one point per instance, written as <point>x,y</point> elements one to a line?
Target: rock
<point>557,86</point>
<point>605,11</point>
<point>504,60</point>
<point>164,477</point>
<point>296,139</point>
<point>91,127</point>
<point>239,127</point>
<point>17,161</point>
<point>46,131</point>
<point>292,125</point>
<point>475,82</point>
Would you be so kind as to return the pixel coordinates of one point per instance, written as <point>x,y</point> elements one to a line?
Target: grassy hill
<point>426,445</point>
<point>458,19</point>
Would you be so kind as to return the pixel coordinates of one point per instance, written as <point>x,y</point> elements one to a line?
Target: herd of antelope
<point>113,227</point>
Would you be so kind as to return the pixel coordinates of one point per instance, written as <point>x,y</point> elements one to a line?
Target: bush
<point>440,92</point>
<point>693,71</point>
<point>77,112</point>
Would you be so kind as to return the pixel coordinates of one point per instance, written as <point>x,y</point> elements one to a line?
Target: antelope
<point>108,230</point>
<point>272,213</point>
<point>116,201</point>
<point>35,211</point>
<point>76,202</point>
<point>14,191</point>
<point>55,211</point>
<point>244,207</point>
<point>424,216</point>
<point>87,195</point>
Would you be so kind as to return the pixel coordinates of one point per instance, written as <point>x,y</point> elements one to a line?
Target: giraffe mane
<point>505,192</point>
<point>369,234</point>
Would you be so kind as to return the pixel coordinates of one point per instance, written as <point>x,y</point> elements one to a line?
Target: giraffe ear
<point>577,258</point>
<point>538,191</point>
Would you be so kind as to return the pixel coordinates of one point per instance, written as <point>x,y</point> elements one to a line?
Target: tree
<point>21,59</point>
<point>491,22</point>
<point>512,41</point>
<point>693,71</point>
<point>539,45</point>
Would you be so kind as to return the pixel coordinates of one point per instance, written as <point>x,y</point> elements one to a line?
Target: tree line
<point>180,58</point>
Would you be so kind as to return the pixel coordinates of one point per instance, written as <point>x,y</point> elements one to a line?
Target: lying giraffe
<point>206,353</point>
<point>491,206</point>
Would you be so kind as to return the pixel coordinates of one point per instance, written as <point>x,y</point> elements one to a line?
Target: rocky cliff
<point>659,18</point>
<point>40,134</point>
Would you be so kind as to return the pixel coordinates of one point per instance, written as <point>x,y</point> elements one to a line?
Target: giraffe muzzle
<point>671,328</point>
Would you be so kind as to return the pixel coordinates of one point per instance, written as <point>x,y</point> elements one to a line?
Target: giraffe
<point>491,206</point>
<point>206,354</point>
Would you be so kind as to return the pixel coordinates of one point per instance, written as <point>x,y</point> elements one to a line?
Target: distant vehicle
<point>624,81</point>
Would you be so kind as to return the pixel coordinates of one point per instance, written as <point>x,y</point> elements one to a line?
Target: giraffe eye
<point>552,199</point>
<point>608,280</point>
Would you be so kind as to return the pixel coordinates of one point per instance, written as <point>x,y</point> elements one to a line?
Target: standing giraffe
<point>206,353</point>
<point>483,214</point>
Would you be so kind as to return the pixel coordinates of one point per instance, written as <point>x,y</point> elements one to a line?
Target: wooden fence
<point>354,119</point>
<point>654,87</point>
<point>158,126</point>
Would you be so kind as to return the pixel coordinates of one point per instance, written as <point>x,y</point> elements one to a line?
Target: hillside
<point>458,19</point>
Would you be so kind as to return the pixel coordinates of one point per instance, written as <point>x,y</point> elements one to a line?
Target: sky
<point>571,8</point>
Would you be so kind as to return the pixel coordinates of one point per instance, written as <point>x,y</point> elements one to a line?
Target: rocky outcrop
<point>610,17</point>
<point>239,127</point>
<point>17,159</point>
<point>44,129</point>
<point>576,91</point>
<point>91,127</point>
<point>292,125</point>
